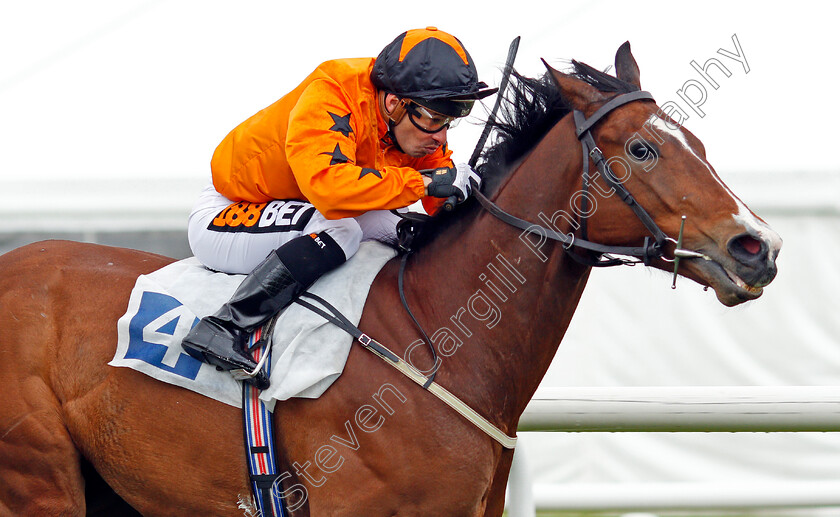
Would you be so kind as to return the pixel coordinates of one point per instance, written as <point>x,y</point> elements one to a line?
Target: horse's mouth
<point>754,290</point>
<point>730,289</point>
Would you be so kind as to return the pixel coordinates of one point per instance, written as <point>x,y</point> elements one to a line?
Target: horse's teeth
<point>740,283</point>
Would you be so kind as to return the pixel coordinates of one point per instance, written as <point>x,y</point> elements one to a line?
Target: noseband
<point>599,255</point>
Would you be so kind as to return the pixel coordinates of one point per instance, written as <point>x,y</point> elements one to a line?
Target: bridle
<point>650,250</point>
<point>600,255</point>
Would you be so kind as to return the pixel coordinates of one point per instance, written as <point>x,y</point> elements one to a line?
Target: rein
<point>409,226</point>
<point>334,316</point>
<point>650,250</point>
<point>406,230</point>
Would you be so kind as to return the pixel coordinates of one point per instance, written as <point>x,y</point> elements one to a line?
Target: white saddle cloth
<point>309,353</point>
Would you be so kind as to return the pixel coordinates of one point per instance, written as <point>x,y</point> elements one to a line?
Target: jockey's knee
<point>309,257</point>
<point>345,232</point>
<point>325,245</point>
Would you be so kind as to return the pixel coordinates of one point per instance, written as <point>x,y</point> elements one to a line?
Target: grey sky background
<point>147,89</point>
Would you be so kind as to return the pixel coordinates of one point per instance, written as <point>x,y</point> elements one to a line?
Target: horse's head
<point>664,168</point>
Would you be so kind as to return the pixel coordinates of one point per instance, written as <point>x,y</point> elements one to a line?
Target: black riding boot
<point>220,339</point>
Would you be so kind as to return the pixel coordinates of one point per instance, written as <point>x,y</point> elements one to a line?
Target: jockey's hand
<point>455,181</point>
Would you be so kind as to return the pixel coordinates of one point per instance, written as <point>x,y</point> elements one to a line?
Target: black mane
<point>529,109</point>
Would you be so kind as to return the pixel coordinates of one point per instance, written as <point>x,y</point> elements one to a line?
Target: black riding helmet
<point>433,69</point>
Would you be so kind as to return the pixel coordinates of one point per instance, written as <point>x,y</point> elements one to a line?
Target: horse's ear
<point>626,68</point>
<point>578,93</point>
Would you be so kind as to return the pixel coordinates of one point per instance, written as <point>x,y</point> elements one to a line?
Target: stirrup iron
<point>241,374</point>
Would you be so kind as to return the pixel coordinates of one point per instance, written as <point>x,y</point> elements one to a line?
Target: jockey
<point>299,185</point>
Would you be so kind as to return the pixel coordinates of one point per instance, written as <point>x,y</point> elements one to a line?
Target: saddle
<point>165,304</point>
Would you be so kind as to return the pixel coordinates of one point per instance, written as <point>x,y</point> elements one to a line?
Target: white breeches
<point>235,237</point>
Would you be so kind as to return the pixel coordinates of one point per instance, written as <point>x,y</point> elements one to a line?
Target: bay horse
<point>499,300</point>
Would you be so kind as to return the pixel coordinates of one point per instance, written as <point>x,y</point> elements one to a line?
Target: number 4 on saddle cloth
<point>165,304</point>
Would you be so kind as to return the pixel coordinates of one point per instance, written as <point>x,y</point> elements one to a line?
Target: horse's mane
<point>530,108</point>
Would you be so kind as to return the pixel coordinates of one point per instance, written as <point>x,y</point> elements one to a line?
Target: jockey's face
<point>412,140</point>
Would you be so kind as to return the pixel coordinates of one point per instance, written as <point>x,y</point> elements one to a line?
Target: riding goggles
<point>428,120</point>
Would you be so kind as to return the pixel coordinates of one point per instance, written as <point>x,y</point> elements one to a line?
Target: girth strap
<point>259,438</point>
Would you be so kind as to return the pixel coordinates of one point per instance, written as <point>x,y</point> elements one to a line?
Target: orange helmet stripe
<point>415,36</point>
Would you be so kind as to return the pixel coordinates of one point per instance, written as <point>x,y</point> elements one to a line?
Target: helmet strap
<point>393,135</point>
<point>399,111</point>
<point>393,117</point>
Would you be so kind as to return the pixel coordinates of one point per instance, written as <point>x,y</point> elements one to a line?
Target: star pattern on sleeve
<point>366,171</point>
<point>341,124</point>
<point>337,156</point>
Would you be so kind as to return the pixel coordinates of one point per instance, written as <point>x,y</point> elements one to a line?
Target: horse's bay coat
<point>67,419</point>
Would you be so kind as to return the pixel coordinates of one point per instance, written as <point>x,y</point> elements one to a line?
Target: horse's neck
<point>513,303</point>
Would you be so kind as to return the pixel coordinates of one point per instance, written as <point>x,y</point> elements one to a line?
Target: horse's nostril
<point>749,244</point>
<point>751,255</point>
<point>748,250</point>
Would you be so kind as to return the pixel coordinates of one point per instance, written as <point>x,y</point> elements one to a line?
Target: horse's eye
<point>641,151</point>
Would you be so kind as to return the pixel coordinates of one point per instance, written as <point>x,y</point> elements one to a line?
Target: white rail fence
<point>675,409</point>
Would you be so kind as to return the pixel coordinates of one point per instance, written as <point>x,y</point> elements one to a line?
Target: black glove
<point>452,181</point>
